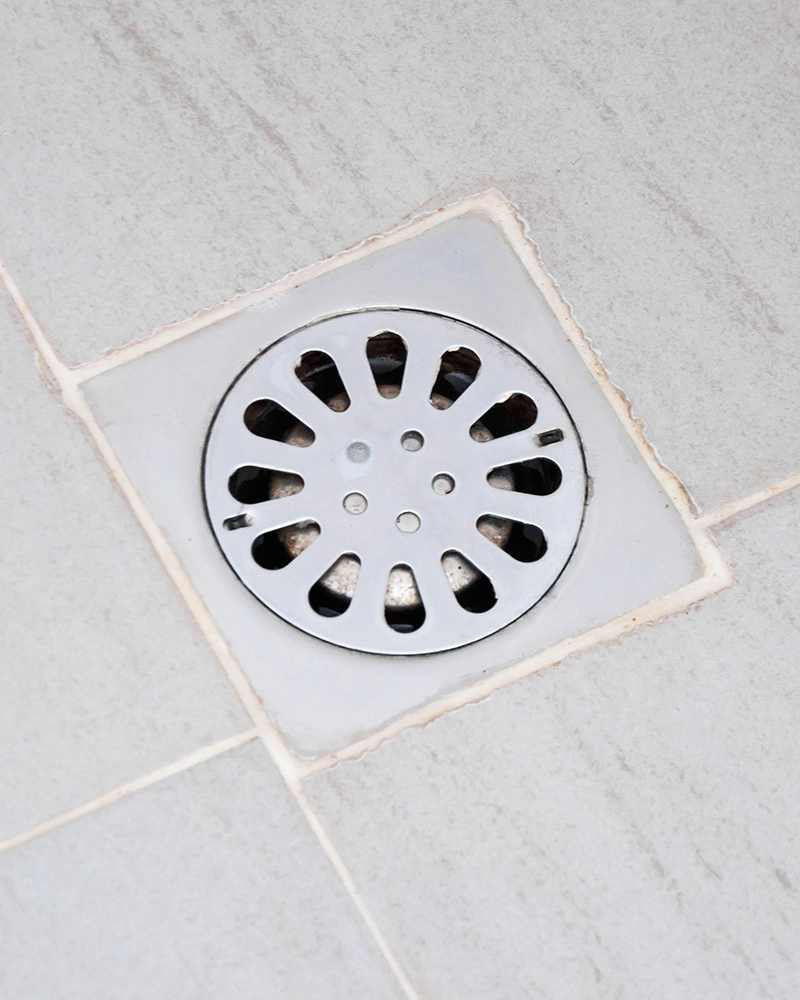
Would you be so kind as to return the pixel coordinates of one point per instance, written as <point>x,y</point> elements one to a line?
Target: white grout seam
<point>129,787</point>
<point>740,506</point>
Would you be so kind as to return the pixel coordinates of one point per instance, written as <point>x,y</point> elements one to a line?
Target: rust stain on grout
<point>746,503</point>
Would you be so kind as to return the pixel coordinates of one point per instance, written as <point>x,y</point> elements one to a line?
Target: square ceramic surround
<point>156,401</point>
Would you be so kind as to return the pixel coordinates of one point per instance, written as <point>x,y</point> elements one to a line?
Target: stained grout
<point>717,575</point>
<point>129,787</point>
<point>746,503</point>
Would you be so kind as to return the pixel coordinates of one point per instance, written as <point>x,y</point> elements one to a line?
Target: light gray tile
<point>622,826</point>
<point>104,676</point>
<point>207,885</point>
<point>157,161</point>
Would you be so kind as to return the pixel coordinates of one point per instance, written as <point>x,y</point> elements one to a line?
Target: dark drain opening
<point>387,353</point>
<point>516,412</point>
<point>333,593</point>
<point>269,419</point>
<point>458,369</point>
<point>536,476</point>
<point>524,542</point>
<point>276,549</point>
<point>252,484</point>
<point>472,588</point>
<point>319,374</point>
<point>403,607</point>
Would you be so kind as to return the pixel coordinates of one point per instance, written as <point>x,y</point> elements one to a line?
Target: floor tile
<point>104,676</point>
<point>156,162</point>
<point>622,826</point>
<point>207,885</point>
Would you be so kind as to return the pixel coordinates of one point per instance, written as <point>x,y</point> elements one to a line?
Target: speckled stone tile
<point>104,676</point>
<point>207,885</point>
<point>622,826</point>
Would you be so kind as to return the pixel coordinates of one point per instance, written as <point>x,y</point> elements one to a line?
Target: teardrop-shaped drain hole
<point>403,607</point>
<point>319,374</point>
<point>513,413</point>
<point>269,419</point>
<point>458,369</point>
<point>537,476</point>
<point>523,542</point>
<point>332,594</point>
<point>387,353</point>
<point>253,484</point>
<point>276,549</point>
<point>473,589</point>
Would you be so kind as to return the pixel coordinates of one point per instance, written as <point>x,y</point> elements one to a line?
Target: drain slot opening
<point>513,413</point>
<point>268,419</point>
<point>333,593</point>
<point>536,476</point>
<point>458,369</point>
<point>524,542</point>
<point>472,588</point>
<point>252,484</point>
<point>403,607</point>
<point>319,374</point>
<point>397,480</point>
<point>276,549</point>
<point>387,353</point>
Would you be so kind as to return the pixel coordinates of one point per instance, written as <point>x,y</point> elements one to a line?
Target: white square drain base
<point>636,544</point>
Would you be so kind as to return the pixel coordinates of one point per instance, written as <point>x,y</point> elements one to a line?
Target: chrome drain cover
<point>394,481</point>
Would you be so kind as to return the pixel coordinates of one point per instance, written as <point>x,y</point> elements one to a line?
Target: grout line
<point>229,307</point>
<point>350,886</point>
<point>68,381</point>
<point>59,371</point>
<point>648,614</point>
<point>739,506</point>
<point>129,787</point>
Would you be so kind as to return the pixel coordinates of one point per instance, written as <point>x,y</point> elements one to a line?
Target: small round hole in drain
<point>408,521</point>
<point>412,440</point>
<point>355,503</point>
<point>443,484</point>
<point>312,504</point>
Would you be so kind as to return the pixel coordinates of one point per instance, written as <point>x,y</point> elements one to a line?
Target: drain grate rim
<point>343,338</point>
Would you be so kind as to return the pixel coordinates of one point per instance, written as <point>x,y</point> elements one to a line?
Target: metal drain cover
<point>394,481</point>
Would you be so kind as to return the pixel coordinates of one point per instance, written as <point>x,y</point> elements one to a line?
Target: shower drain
<point>393,481</point>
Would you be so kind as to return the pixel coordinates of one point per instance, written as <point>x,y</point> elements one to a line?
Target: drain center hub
<point>410,421</point>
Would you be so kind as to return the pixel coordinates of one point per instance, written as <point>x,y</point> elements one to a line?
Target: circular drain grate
<point>394,481</point>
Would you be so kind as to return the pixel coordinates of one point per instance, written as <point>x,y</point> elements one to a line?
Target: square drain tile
<point>395,475</point>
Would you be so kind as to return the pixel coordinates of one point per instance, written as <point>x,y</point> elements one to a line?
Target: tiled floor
<point>621,826</point>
